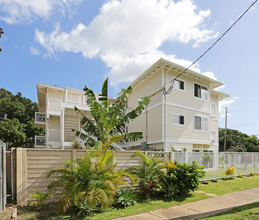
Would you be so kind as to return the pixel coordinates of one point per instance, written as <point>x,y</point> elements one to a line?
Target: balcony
<point>54,135</point>
<point>40,142</point>
<point>40,119</point>
<point>74,96</point>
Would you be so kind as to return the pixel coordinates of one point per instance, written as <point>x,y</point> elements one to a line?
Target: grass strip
<point>250,211</point>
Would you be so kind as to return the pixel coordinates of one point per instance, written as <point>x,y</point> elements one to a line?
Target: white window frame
<point>201,98</point>
<point>201,130</point>
<point>213,133</point>
<point>178,88</point>
<point>178,124</point>
<point>216,110</point>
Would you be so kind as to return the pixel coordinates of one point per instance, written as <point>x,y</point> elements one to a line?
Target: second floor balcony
<point>40,141</point>
<point>40,118</point>
<point>75,96</point>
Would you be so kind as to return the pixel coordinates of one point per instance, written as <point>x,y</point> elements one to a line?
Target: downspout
<point>165,115</point>
<point>163,107</point>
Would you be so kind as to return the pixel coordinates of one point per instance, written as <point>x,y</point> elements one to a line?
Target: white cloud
<point>127,34</point>
<point>19,11</point>
<point>131,66</point>
<point>226,103</point>
<point>210,74</point>
<point>35,51</point>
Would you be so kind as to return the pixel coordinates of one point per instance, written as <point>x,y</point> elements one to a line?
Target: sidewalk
<point>202,208</point>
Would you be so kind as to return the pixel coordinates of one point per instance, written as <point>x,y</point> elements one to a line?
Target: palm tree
<point>148,174</point>
<point>92,180</point>
<point>107,125</point>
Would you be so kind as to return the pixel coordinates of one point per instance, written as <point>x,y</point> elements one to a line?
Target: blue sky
<point>70,43</point>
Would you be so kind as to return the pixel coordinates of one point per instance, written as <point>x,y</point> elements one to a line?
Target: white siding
<point>186,97</point>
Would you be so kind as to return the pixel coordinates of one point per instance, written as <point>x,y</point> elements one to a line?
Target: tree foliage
<point>17,115</point>
<point>107,125</point>
<point>237,138</point>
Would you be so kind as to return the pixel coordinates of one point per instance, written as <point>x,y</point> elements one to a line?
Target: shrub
<point>147,175</point>
<point>230,171</point>
<point>76,145</point>
<point>124,198</point>
<point>88,182</point>
<point>181,178</point>
<point>85,210</point>
<point>38,199</point>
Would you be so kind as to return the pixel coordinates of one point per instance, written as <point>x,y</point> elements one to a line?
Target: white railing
<point>54,104</point>
<point>75,96</point>
<point>40,141</point>
<point>54,135</point>
<point>40,117</point>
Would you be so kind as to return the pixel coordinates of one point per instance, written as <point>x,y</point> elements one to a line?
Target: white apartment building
<point>185,118</point>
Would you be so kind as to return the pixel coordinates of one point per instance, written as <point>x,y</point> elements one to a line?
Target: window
<point>213,136</point>
<point>178,119</point>
<point>179,84</point>
<point>213,108</point>
<point>201,91</point>
<point>200,123</point>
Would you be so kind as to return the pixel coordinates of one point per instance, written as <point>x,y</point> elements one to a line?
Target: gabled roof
<point>178,68</point>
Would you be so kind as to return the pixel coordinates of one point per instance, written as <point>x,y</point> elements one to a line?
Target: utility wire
<point>171,87</point>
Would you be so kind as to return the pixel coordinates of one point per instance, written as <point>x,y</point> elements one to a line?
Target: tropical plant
<point>180,178</point>
<point>230,171</point>
<point>107,125</point>
<point>85,210</point>
<point>38,199</point>
<point>92,181</point>
<point>124,198</point>
<point>168,180</point>
<point>76,145</point>
<point>148,174</point>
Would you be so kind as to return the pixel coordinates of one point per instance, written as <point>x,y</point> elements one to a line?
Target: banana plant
<point>109,117</point>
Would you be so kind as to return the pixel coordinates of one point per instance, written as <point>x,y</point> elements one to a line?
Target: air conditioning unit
<point>143,146</point>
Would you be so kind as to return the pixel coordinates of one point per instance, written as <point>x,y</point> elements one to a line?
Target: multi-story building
<point>57,115</point>
<point>185,118</point>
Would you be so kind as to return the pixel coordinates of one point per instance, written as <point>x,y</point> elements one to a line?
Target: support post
<point>21,178</point>
<point>4,177</point>
<point>225,140</point>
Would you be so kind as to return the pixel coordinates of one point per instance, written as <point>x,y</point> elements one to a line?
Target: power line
<point>171,87</point>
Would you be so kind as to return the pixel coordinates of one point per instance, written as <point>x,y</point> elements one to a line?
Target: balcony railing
<point>54,134</point>
<point>75,96</point>
<point>40,141</point>
<point>40,117</point>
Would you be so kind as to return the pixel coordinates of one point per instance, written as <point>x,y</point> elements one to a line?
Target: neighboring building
<point>57,115</point>
<point>187,118</point>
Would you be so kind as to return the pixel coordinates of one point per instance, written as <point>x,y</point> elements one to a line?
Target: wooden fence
<point>32,166</point>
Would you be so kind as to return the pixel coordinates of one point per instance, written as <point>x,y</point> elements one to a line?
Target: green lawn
<point>228,186</point>
<point>219,188</point>
<point>247,212</point>
<point>221,172</point>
